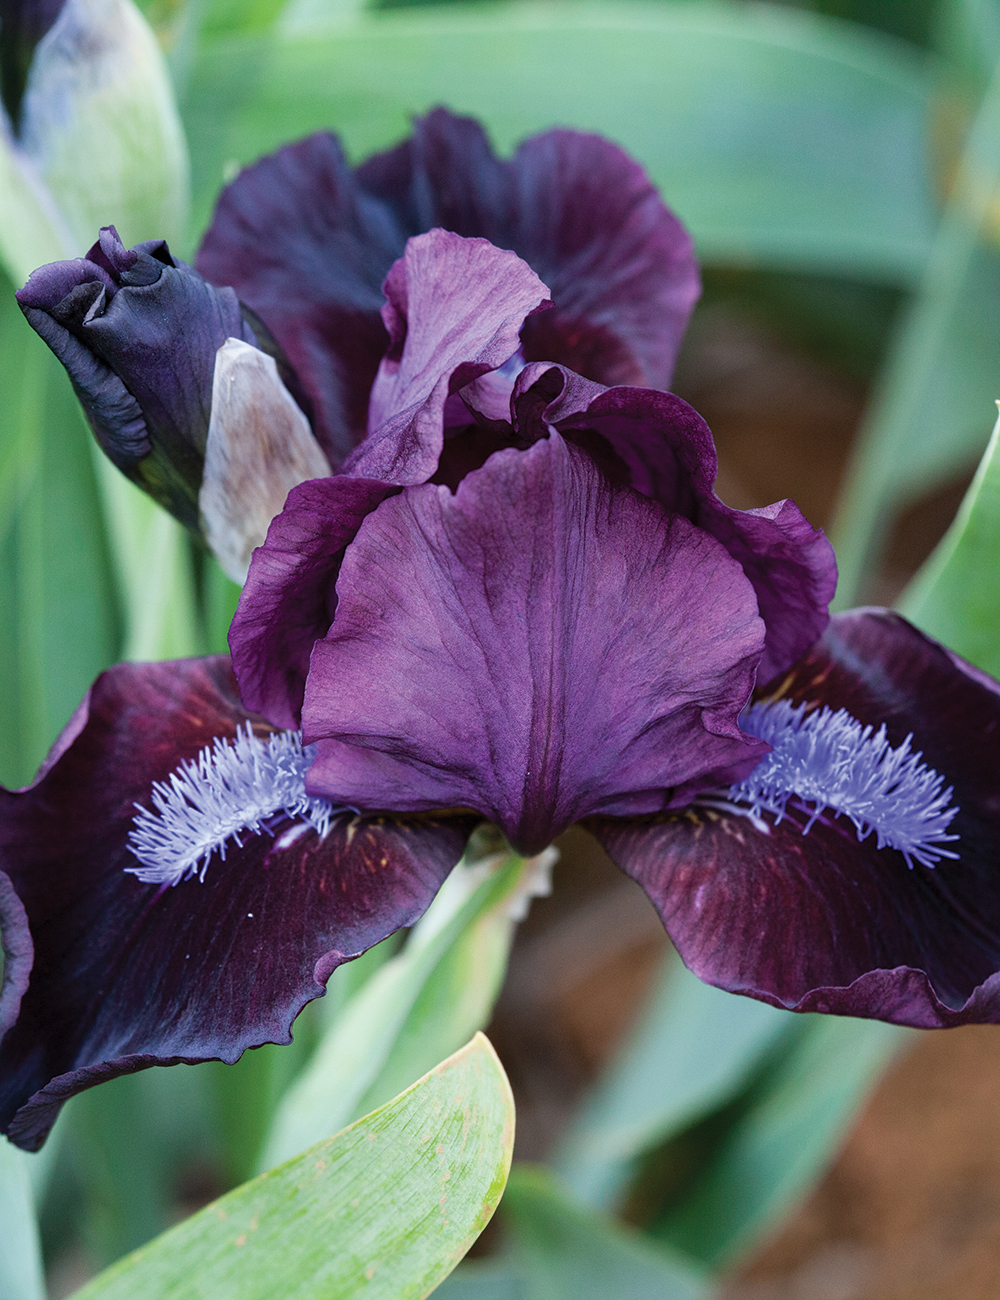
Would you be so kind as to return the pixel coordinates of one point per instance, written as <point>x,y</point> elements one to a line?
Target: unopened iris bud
<point>138,333</point>
<point>23,23</point>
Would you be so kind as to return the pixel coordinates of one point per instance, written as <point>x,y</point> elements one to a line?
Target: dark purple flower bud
<point>23,23</point>
<point>307,242</point>
<point>131,972</point>
<point>138,333</point>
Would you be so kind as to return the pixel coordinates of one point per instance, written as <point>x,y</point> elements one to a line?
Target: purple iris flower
<point>520,601</point>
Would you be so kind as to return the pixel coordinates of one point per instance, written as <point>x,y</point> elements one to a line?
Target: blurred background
<point>839,166</point>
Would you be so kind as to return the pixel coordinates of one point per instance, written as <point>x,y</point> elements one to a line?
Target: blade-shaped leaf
<point>385,1208</point>
<point>930,417</point>
<point>152,558</point>
<point>779,1138</point>
<point>61,620</point>
<point>21,1258</point>
<point>781,138</point>
<point>439,989</point>
<point>690,1052</point>
<point>499,1279</point>
<point>956,595</point>
<point>568,1253</point>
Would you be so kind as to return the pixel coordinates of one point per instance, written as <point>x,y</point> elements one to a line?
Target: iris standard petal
<point>661,447</point>
<point>454,310</point>
<point>306,242</point>
<point>538,646</point>
<point>138,334</point>
<point>290,596</point>
<point>127,974</point>
<point>583,214</point>
<point>823,922</point>
<point>308,250</point>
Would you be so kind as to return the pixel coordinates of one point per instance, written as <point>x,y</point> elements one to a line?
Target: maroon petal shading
<point>620,266</point>
<point>289,598</point>
<point>660,446</point>
<point>454,311</point>
<point>129,975</point>
<point>820,922</point>
<point>307,250</point>
<point>306,243</point>
<point>538,646</point>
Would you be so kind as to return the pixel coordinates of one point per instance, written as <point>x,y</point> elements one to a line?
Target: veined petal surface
<point>128,975</point>
<point>819,921</point>
<point>538,646</point>
<point>290,595</point>
<point>306,242</point>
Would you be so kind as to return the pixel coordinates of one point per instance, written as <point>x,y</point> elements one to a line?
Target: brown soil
<point>911,1209</point>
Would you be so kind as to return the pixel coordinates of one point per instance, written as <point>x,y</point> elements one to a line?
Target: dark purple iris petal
<point>289,598</point>
<point>537,647</point>
<point>819,922</point>
<point>308,250</point>
<point>660,446</point>
<point>128,975</point>
<point>138,333</point>
<point>307,242</point>
<point>580,212</point>
<point>454,311</point>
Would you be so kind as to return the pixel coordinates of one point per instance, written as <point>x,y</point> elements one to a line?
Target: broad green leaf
<point>968,35</point>
<point>569,1253</point>
<point>240,15</point>
<point>152,558</point>
<point>20,1257</point>
<point>220,595</point>
<point>20,396</point>
<point>780,1138</point>
<point>692,1050</point>
<point>386,1208</point>
<point>119,1166</point>
<point>61,619</point>
<point>32,229</point>
<point>299,16</point>
<point>439,989</point>
<point>930,418</point>
<point>781,138</point>
<point>492,1279</point>
<point>956,595</point>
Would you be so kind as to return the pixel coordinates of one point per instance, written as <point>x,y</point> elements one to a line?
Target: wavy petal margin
<point>821,922</point>
<point>128,975</point>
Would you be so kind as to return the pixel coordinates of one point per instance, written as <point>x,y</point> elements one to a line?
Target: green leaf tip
<point>956,595</point>
<point>385,1208</point>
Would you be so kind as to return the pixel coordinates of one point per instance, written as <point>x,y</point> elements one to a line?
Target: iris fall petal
<point>821,921</point>
<point>128,975</point>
